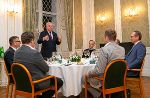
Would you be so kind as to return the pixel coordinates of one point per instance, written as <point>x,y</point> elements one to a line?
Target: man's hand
<point>59,37</point>
<point>46,38</point>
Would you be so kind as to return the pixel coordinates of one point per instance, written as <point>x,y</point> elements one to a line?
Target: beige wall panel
<point>78,24</point>
<point>139,22</point>
<point>108,7</point>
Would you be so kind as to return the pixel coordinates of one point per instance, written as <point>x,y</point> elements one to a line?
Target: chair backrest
<point>137,72</point>
<point>22,78</point>
<point>5,68</point>
<point>115,74</point>
<point>141,69</point>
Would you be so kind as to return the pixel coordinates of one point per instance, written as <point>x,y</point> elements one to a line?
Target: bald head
<point>49,26</point>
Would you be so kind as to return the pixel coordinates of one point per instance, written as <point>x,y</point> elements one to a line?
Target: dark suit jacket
<point>48,46</point>
<point>34,62</point>
<point>84,55</point>
<point>135,57</point>
<point>8,58</point>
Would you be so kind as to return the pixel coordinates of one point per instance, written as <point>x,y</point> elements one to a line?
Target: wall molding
<point>148,2</point>
<point>117,14</point>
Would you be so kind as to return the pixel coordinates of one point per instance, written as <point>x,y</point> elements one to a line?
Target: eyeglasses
<point>17,41</point>
<point>132,36</point>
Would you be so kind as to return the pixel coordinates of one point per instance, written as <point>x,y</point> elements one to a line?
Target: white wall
<point>146,68</point>
<point>9,25</point>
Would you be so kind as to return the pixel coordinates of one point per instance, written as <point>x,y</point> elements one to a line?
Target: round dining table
<point>71,75</point>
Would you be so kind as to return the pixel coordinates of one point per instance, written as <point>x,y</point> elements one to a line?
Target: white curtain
<point>117,11</point>
<point>61,28</point>
<point>88,22</point>
<point>3,77</point>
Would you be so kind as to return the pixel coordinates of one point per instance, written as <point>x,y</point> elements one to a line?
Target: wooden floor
<point>133,86</point>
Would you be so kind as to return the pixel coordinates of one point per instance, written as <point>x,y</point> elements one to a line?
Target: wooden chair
<point>114,78</point>
<point>24,85</point>
<point>10,82</point>
<point>138,77</point>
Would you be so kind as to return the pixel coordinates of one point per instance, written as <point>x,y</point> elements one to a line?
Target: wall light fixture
<point>12,7</point>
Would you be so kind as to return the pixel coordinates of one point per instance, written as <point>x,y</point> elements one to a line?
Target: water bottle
<point>59,58</point>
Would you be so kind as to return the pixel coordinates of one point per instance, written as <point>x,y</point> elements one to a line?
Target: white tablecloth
<point>71,76</point>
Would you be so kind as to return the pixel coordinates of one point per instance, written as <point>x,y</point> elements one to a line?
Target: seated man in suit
<point>109,52</point>
<point>34,62</point>
<point>87,52</point>
<point>9,54</point>
<point>136,55</point>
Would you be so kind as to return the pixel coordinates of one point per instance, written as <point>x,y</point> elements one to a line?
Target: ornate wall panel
<point>138,22</point>
<point>103,7</point>
<point>78,24</point>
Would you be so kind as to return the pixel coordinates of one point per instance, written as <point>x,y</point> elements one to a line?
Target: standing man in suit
<point>109,52</point>
<point>49,40</point>
<point>136,55</point>
<point>34,62</point>
<point>9,54</point>
<point>87,52</point>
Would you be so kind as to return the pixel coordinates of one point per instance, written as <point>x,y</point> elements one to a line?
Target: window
<point>46,12</point>
<point>47,5</point>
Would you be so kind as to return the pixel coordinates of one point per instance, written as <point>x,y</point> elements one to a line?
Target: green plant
<point>75,58</point>
<point>1,52</point>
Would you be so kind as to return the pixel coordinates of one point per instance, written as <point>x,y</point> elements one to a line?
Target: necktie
<point>51,36</point>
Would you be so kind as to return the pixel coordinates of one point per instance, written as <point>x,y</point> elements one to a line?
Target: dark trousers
<point>50,93</point>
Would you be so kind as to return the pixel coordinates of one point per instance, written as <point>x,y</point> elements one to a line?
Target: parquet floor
<point>133,86</point>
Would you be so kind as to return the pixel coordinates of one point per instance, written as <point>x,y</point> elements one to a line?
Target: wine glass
<point>53,56</point>
<point>93,55</point>
<point>49,60</point>
<point>59,57</point>
<point>54,53</point>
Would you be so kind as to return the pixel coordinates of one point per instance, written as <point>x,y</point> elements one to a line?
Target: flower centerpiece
<point>75,58</point>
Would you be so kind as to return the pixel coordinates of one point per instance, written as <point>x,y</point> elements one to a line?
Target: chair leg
<point>11,91</point>
<point>109,95</point>
<point>85,85</point>
<point>56,95</point>
<point>14,94</point>
<point>104,96</point>
<point>32,96</point>
<point>125,93</point>
<point>7,90</point>
<point>14,91</point>
<point>141,88</point>
<point>103,91</point>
